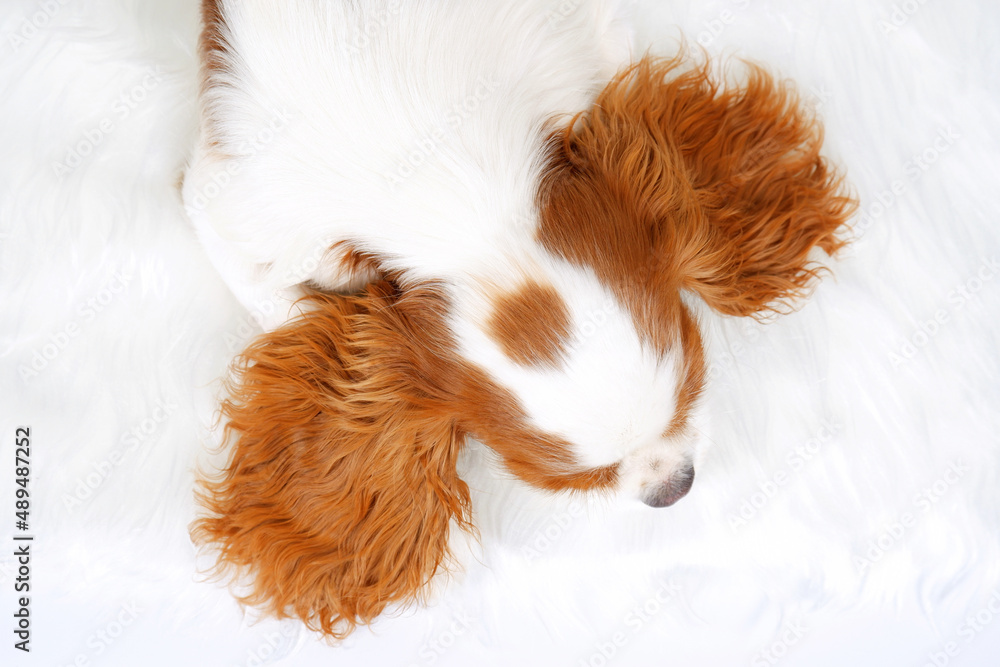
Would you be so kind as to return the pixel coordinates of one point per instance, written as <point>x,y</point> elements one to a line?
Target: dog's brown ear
<point>725,184</point>
<point>341,485</point>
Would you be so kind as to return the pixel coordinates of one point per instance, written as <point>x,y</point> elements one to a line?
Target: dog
<point>472,220</point>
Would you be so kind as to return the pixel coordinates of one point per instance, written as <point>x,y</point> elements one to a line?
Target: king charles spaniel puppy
<point>471,220</point>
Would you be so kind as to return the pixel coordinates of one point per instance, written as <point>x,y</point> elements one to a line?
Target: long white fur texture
<point>847,512</point>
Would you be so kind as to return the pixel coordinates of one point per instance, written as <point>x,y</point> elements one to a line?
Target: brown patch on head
<point>531,325</point>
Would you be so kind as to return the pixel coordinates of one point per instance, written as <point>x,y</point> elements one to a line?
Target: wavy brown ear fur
<point>338,495</point>
<point>719,190</point>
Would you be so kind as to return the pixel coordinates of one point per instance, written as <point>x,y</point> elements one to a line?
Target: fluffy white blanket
<point>848,513</point>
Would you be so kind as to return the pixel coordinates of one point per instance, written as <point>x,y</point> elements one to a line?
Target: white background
<point>98,261</point>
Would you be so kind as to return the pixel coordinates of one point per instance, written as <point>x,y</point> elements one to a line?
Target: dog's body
<point>502,228</point>
<point>412,131</point>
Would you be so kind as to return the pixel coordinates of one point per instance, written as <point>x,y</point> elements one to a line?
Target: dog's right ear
<point>341,485</point>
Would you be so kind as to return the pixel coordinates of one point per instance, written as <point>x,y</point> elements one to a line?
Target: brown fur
<point>531,325</point>
<point>692,379</point>
<point>213,52</point>
<point>212,45</point>
<point>342,482</point>
<point>672,182</point>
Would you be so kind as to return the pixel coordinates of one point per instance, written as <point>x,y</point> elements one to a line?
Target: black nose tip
<point>667,493</point>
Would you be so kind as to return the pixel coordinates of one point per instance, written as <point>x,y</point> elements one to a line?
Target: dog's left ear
<point>675,179</point>
<point>342,485</point>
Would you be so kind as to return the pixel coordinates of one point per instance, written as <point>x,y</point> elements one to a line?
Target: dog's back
<point>401,128</point>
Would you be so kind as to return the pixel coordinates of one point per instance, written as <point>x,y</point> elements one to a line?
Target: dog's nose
<point>665,494</point>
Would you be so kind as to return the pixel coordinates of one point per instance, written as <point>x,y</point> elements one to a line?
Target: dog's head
<point>585,375</point>
<point>668,185</point>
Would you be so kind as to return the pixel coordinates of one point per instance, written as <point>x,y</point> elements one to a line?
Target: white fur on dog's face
<point>609,393</point>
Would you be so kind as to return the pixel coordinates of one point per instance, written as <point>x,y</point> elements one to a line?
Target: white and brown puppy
<point>492,230</point>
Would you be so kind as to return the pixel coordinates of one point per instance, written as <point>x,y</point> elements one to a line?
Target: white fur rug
<point>848,513</point>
